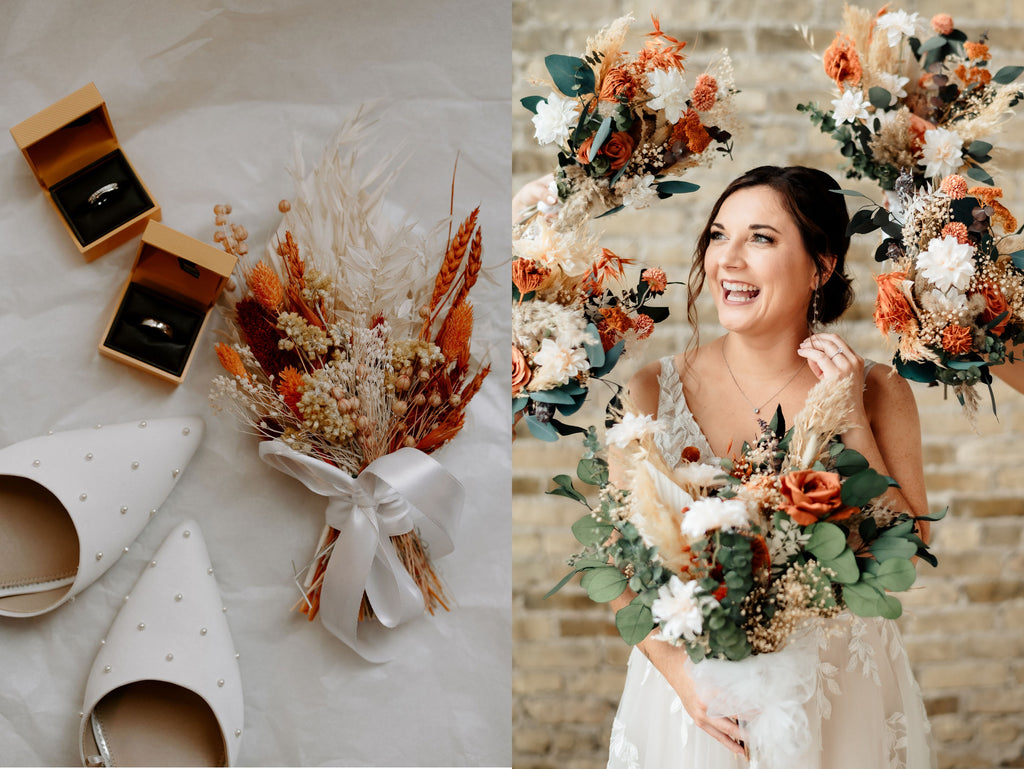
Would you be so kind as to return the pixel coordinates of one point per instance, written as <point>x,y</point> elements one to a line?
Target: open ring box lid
<point>72,149</point>
<point>173,287</point>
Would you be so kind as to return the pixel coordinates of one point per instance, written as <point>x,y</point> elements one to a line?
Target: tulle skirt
<point>865,710</point>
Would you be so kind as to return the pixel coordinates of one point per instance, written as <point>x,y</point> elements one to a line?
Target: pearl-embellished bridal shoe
<point>165,688</point>
<point>72,502</point>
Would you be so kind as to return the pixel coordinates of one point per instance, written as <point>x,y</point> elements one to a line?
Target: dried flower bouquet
<point>352,361</point>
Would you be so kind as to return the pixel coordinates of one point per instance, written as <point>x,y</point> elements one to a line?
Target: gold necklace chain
<point>757,409</point>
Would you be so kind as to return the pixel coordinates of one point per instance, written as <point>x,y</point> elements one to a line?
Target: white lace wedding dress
<point>866,710</point>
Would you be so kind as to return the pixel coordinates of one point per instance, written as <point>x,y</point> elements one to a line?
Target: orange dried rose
<point>995,305</point>
<point>583,152</point>
<point>618,149</point>
<point>892,310</point>
<point>812,496</point>
<point>841,61</point>
<point>521,373</point>
<point>956,339</point>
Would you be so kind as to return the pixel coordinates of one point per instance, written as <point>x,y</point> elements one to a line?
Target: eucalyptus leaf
<point>980,174</point>
<point>552,396</point>
<point>865,600</point>
<point>603,584</point>
<point>561,583</point>
<point>861,488</point>
<point>845,567</point>
<point>564,488</point>
<point>590,531</point>
<point>885,549</point>
<point>1007,75</point>
<point>657,314</point>
<point>518,404</point>
<point>603,132</point>
<point>932,44</point>
<point>531,102</point>
<point>541,430</point>
<point>570,74</point>
<point>595,351</point>
<point>827,541</point>
<point>611,357</point>
<point>634,622</point>
<point>592,471</point>
<point>979,149</point>
<point>850,462</point>
<point>896,574</point>
<point>676,187</point>
<point>879,97</point>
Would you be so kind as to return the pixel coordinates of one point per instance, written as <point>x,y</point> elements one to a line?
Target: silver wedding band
<point>837,352</point>
<point>159,325</point>
<point>98,195</point>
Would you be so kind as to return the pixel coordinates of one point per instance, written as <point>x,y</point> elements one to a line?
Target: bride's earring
<point>815,313</point>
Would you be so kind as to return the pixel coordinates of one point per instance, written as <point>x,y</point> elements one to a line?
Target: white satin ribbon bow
<point>391,496</point>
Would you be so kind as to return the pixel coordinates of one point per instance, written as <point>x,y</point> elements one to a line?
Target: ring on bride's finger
<point>159,325</point>
<point>837,352</point>
<point>97,198</point>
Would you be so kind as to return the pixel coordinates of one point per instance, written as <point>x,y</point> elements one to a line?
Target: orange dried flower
<point>942,23</point>
<point>265,286</point>
<point>979,75</point>
<point>456,332</point>
<point>956,339</point>
<point>986,194</point>
<point>1002,217</point>
<point>643,325</point>
<point>617,319</point>
<point>657,55</point>
<point>976,51</point>
<point>230,361</point>
<point>697,137</point>
<point>690,454</point>
<point>704,94</point>
<point>617,85</point>
<point>956,230</point>
<point>527,275</point>
<point>841,61</point>
<point>607,265</point>
<point>618,149</point>
<point>521,373</point>
<point>583,151</point>
<point>656,279</point>
<point>892,310</point>
<point>289,387</point>
<point>955,186</point>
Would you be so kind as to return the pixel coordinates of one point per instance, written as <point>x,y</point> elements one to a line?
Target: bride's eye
<point>717,235</point>
<point>763,237</point>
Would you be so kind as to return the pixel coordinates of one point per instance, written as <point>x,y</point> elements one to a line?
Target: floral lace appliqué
<point>896,740</point>
<point>679,429</point>
<point>862,653</point>
<point>621,748</point>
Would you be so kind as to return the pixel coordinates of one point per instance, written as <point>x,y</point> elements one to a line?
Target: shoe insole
<point>38,545</point>
<point>154,723</point>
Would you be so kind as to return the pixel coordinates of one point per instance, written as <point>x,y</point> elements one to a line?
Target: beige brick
<point>986,563</point>
<point>956,534</point>
<point>607,683</point>
<point>556,654</point>
<point>998,731</point>
<point>588,627</point>
<point>531,740</point>
<point>536,681</point>
<point>962,674</point>
<point>951,728</point>
<point>932,650</point>
<point>997,700</point>
<point>562,710</point>
<point>533,626</point>
<point>938,706</point>
<point>989,507</point>
<point>994,591</point>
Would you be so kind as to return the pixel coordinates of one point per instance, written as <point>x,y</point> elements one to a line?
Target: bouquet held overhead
<point>626,128</point>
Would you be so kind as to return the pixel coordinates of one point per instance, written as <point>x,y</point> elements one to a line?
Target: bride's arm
<point>668,659</point>
<point>888,428</point>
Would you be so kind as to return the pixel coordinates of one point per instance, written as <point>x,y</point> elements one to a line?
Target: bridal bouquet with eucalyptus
<point>904,101</point>
<point>732,561</point>
<point>351,361</point>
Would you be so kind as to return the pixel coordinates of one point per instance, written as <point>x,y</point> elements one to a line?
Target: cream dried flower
<point>947,264</point>
<point>555,117</point>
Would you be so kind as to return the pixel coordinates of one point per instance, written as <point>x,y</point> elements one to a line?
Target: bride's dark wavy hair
<point>821,217</point>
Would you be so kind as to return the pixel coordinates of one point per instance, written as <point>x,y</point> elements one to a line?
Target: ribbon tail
<point>393,593</point>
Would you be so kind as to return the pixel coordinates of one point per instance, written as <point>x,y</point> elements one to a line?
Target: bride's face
<point>758,270</point>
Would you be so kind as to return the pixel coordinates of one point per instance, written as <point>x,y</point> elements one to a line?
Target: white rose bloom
<point>893,83</point>
<point>942,152</point>
<point>705,515</point>
<point>558,363</point>
<point>850,106</point>
<point>555,118</point>
<point>678,610</point>
<point>632,427</point>
<point>668,87</point>
<point>947,264</point>
<point>897,25</point>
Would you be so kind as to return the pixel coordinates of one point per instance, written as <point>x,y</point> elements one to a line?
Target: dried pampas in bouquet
<point>352,363</point>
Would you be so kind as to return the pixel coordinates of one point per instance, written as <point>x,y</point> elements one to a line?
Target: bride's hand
<point>532,193</point>
<point>672,664</point>
<point>830,357</point>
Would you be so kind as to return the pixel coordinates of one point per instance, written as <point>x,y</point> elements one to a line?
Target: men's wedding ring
<point>158,325</point>
<point>97,198</point>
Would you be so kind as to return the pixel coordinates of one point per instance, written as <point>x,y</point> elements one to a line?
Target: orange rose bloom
<point>995,305</point>
<point>813,496</point>
<point>892,310</point>
<point>616,83</point>
<point>521,373</point>
<point>957,340</point>
<point>618,148</point>
<point>583,153</point>
<point>842,62</point>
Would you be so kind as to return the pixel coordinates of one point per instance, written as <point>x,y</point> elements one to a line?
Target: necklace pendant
<point>757,411</point>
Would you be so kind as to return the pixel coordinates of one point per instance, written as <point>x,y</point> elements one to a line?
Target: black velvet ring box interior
<point>73,151</point>
<point>166,303</point>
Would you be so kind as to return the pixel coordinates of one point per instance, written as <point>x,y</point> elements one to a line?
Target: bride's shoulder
<point>644,388</point>
<point>887,393</point>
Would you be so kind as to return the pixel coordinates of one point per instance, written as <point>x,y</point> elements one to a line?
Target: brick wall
<point>964,626</point>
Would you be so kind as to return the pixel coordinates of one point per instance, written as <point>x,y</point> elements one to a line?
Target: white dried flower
<point>700,475</point>
<point>897,25</point>
<point>850,106</point>
<point>668,90</point>
<point>557,363</point>
<point>893,83</point>
<point>942,152</point>
<point>556,117</point>
<point>947,264</point>
<point>640,192</point>
<point>632,427</point>
<point>678,609</point>
<point>706,515</point>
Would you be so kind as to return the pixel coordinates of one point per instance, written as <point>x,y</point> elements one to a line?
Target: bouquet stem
<point>411,553</point>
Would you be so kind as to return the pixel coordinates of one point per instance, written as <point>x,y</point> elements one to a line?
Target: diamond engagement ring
<point>837,352</point>
<point>159,325</point>
<point>97,198</point>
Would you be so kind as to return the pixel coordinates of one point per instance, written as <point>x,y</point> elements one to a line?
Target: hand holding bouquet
<point>929,106</point>
<point>351,362</point>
